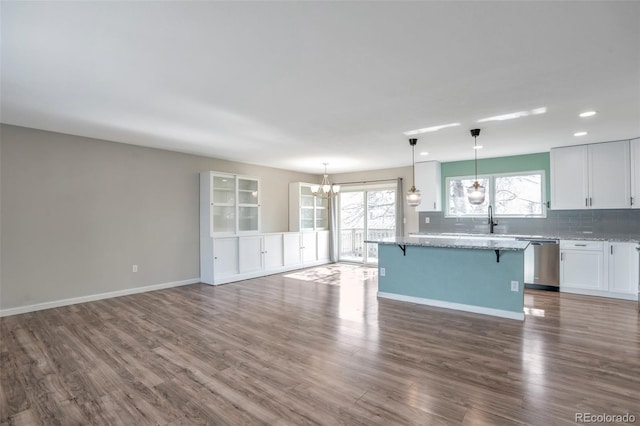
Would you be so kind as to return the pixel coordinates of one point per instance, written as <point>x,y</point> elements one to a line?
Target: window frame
<point>491,191</point>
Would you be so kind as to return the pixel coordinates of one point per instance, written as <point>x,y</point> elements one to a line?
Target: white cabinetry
<point>306,212</point>
<point>591,176</point>
<point>429,182</point>
<point>581,265</point>
<point>324,245</point>
<point>623,268</point>
<point>308,246</point>
<point>225,257</point>
<point>272,250</point>
<point>291,248</point>
<point>250,253</point>
<point>229,204</point>
<point>635,173</point>
<point>597,268</point>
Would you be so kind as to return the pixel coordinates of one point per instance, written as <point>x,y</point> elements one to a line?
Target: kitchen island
<point>483,275</point>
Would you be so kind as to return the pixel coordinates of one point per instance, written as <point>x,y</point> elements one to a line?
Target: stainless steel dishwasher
<point>542,264</point>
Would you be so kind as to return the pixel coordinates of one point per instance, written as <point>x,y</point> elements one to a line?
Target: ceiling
<point>295,84</point>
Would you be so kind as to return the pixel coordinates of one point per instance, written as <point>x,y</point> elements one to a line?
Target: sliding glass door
<point>364,214</point>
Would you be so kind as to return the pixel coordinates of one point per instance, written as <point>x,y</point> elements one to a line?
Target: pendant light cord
<point>475,154</point>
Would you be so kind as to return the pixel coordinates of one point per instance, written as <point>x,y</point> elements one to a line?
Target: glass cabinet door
<point>224,209</point>
<point>248,205</point>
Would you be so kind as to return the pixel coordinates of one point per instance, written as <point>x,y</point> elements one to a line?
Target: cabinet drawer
<point>581,245</point>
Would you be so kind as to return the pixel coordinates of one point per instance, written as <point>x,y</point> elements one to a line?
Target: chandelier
<point>325,189</point>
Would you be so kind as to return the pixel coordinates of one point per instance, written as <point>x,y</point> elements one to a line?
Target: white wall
<point>77,213</point>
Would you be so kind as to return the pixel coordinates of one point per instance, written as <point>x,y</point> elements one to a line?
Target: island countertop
<point>456,243</point>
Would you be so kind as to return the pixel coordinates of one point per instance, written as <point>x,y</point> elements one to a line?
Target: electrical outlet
<point>514,285</point>
<point>382,272</point>
<point>134,268</point>
<point>427,219</point>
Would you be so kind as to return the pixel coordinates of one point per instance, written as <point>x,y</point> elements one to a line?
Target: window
<point>514,194</point>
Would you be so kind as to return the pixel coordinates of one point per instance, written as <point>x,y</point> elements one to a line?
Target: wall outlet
<point>134,268</point>
<point>427,219</point>
<point>514,285</point>
<point>382,272</point>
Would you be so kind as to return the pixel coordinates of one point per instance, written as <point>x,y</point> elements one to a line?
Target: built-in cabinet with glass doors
<point>307,212</point>
<point>232,248</point>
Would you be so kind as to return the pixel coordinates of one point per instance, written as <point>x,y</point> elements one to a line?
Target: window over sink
<point>519,194</point>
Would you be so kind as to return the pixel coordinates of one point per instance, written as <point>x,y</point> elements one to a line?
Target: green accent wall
<point>515,163</point>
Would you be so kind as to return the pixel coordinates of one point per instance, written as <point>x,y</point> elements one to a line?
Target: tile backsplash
<point>593,223</point>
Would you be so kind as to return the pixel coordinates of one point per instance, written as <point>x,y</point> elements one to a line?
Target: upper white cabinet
<point>306,212</point>
<point>595,176</point>
<point>229,204</point>
<point>635,173</point>
<point>428,181</point>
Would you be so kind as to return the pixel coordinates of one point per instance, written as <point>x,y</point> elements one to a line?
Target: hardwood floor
<point>316,347</point>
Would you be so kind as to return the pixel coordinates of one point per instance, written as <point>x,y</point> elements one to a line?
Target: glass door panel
<point>363,215</point>
<point>306,218</point>
<point>247,191</point>
<point>247,219</point>
<point>224,219</point>
<point>381,219</point>
<point>352,216</point>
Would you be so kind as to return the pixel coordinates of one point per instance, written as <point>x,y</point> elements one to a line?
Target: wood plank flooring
<point>316,347</point>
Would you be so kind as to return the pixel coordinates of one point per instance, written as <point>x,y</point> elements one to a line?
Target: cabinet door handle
<point>631,200</point>
<point>434,205</point>
<point>611,247</point>
<point>590,202</point>
<point>561,257</point>
<point>586,202</point>
<point>580,245</point>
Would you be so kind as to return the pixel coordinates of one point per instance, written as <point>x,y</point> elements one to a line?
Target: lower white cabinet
<point>323,245</point>
<point>225,256</point>
<point>272,251</point>
<point>597,268</point>
<point>623,268</point>
<point>308,247</point>
<point>291,246</point>
<point>250,253</point>
<point>228,259</point>
<point>581,265</point>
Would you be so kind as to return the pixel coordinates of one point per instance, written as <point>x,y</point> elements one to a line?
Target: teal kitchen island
<point>476,275</point>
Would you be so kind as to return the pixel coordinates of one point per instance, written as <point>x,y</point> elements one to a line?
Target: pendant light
<point>413,195</point>
<point>325,189</point>
<point>476,192</point>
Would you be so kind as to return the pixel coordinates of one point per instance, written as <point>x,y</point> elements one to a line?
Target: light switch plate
<point>514,285</point>
<point>382,272</point>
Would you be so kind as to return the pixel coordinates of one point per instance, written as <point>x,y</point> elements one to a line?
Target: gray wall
<point>77,213</point>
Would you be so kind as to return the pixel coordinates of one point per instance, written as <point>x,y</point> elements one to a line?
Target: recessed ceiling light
<point>430,129</point>
<point>513,115</point>
<point>477,147</point>
<point>424,153</point>
<point>579,133</point>
<point>588,113</point>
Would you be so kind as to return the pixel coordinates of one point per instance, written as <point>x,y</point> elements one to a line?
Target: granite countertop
<point>566,236</point>
<point>455,242</point>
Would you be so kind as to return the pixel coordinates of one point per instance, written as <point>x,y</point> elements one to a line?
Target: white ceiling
<point>293,85</point>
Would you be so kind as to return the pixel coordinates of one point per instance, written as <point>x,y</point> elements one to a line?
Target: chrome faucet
<point>492,224</point>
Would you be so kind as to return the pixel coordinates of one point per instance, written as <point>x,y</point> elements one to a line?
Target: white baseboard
<point>600,293</point>
<point>452,305</point>
<point>263,273</point>
<point>93,297</point>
